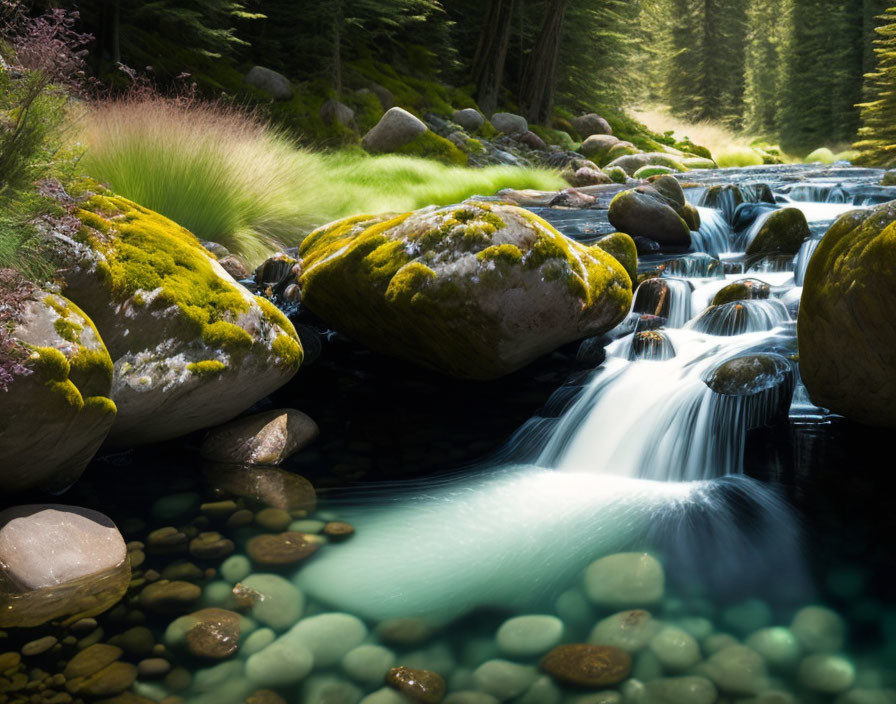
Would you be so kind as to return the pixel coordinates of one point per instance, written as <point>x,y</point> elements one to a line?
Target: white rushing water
<point>643,450</point>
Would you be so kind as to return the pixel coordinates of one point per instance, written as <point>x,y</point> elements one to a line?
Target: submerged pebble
<point>625,579</point>
<point>628,630</point>
<point>525,636</point>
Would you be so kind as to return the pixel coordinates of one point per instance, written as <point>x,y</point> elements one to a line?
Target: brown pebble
<point>265,696</point>
<point>83,625</point>
<point>218,509</point>
<point>337,530</point>
<point>243,517</point>
<point>153,667</point>
<point>151,575</point>
<point>91,660</point>
<point>9,661</point>
<point>136,558</point>
<point>178,679</point>
<point>587,665</point>
<point>41,645</point>
<point>211,546</point>
<point>273,519</point>
<point>282,549</point>
<point>166,541</point>
<point>216,633</point>
<point>423,686</point>
<point>169,597</point>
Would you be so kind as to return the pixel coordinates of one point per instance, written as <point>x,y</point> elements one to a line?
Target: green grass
<point>229,178</point>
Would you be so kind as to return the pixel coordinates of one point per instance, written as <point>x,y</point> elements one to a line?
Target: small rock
<point>169,597</point>
<point>274,84</point>
<point>283,662</point>
<point>235,266</point>
<point>326,689</point>
<point>777,645</point>
<point>625,579</point>
<point>215,633</point>
<point>504,679</point>
<point>263,438</point>
<point>153,667</point>
<point>469,118</point>
<point>422,686</point>
<point>235,568</point>
<point>138,640</point>
<point>592,123</point>
<point>396,128</point>
<point>889,178</point>
<point>334,112</point>
<point>628,630</point>
<point>675,649</point>
<point>211,546</point>
<point>282,549</point>
<point>531,140</point>
<point>830,674</point>
<point>279,604</point>
<point>587,665</point>
<point>509,123</point>
<point>329,636</point>
<point>167,541</point>
<point>112,679</point>
<point>338,530</point>
<point>736,670</point>
<point>818,630</point>
<point>368,664</point>
<point>682,690</point>
<point>526,636</point>
<point>273,519</point>
<point>38,646</point>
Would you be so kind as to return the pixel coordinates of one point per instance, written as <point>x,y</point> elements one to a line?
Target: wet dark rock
<point>654,297</point>
<point>112,679</point>
<point>783,232</point>
<point>138,641</point>
<point>738,317</point>
<point>746,213</point>
<point>263,438</point>
<point>273,519</point>
<point>652,211</point>
<point>269,486</point>
<point>39,645</point>
<point>571,198</point>
<point>91,660</point>
<point>282,549</point>
<point>235,267</point>
<point>743,290</point>
<point>277,272</point>
<point>653,345</point>
<point>698,264</point>
<point>153,667</point>
<point>725,197</point>
<point>586,665</point>
<point>646,245</point>
<point>211,546</point>
<point>749,374</point>
<point>182,571</point>
<point>167,541</point>
<point>423,686</point>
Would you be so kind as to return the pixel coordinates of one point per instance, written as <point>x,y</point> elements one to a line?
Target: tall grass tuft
<point>231,179</point>
<point>214,169</point>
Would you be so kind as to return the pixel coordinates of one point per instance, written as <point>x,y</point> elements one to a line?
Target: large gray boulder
<point>509,123</point>
<point>395,129</point>
<point>274,84</point>
<point>59,561</point>
<point>191,348</point>
<point>592,123</point>
<point>469,118</point>
<point>55,381</point>
<point>475,290</point>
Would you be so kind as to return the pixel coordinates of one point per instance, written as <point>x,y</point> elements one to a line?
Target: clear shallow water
<point>750,523</point>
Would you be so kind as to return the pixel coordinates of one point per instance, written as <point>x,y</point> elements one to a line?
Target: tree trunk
<point>337,48</point>
<point>491,53</point>
<point>537,87</point>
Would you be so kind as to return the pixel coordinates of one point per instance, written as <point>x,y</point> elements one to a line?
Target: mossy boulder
<point>655,211</point>
<point>847,340</point>
<point>191,347</point>
<point>629,163</point>
<point>622,248</point>
<point>743,290</point>
<point>429,145</point>
<point>648,171</point>
<point>55,411</point>
<point>782,233</point>
<point>616,174</point>
<point>476,290</point>
<point>699,162</point>
<point>889,178</point>
<point>621,149</point>
<point>597,147</point>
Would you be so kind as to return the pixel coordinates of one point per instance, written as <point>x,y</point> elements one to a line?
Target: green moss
<point>49,363</point>
<point>68,329</point>
<point>408,281</point>
<point>486,130</point>
<point>553,136</point>
<point>288,350</point>
<point>616,173</point>
<point>58,305</point>
<point>622,248</point>
<point>86,362</point>
<point>101,404</point>
<point>501,253</point>
<point>207,367</point>
<point>429,145</point>
<point>68,391</point>
<point>150,252</point>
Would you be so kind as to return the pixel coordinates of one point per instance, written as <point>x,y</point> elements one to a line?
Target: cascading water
<point>645,452</point>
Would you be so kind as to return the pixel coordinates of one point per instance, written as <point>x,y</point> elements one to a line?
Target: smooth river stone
<point>630,631</point>
<point>830,674</point>
<point>278,604</point>
<point>326,689</point>
<point>423,686</point>
<point>818,630</point>
<point>470,697</point>
<point>587,665</point>
<point>736,670</point>
<point>541,691</point>
<point>368,664</point>
<point>59,561</point>
<point>747,616</point>
<point>681,690</point>
<point>777,645</point>
<point>263,438</point>
<point>283,662</point>
<point>329,636</point>
<point>525,636</point>
<point>504,679</point>
<point>625,579</point>
<point>675,648</point>
<point>861,695</point>
<point>386,695</point>
<point>235,568</point>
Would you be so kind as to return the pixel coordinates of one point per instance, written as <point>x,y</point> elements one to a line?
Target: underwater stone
<point>279,603</point>
<point>470,697</point>
<point>271,486</point>
<point>777,645</point>
<point>587,665</point>
<point>263,438</point>
<point>324,689</point>
<point>525,636</point>
<point>213,633</point>
<point>736,670</point>
<point>59,561</point>
<point>368,664</point>
<point>745,376</point>
<point>438,657</point>
<point>675,649</point>
<point>386,695</point>
<point>283,662</point>
<point>628,630</point>
<point>681,690</point>
<point>329,636</point>
<point>423,686</point>
<point>235,568</point>
<point>500,284</point>
<point>541,691</point>
<point>625,579</point>
<point>257,641</point>
<point>830,674</point>
<point>818,629</point>
<point>504,679</point>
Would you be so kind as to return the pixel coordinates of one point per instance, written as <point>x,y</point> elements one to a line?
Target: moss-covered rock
<point>847,340</point>
<point>597,147</point>
<point>56,412</point>
<point>743,290</point>
<point>655,211</point>
<point>191,347</point>
<point>650,170</point>
<point>889,178</point>
<point>782,233</point>
<point>429,145</point>
<point>622,248</point>
<point>475,290</point>
<point>616,174</point>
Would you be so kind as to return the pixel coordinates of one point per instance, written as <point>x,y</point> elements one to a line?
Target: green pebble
<point>174,506</point>
<point>236,568</point>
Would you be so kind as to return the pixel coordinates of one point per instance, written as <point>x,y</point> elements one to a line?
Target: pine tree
<point>762,66</point>
<point>877,135</point>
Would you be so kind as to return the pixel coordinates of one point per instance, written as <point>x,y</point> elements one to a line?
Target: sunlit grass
<point>231,179</point>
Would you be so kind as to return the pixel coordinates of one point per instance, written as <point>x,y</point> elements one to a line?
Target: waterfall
<point>807,249</point>
<point>714,235</point>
